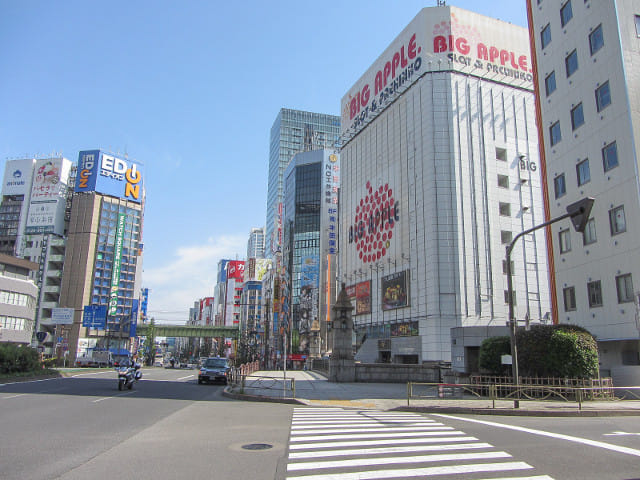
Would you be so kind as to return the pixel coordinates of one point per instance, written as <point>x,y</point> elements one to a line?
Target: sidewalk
<point>312,388</point>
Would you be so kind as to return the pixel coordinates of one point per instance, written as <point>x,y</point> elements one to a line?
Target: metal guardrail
<point>493,392</point>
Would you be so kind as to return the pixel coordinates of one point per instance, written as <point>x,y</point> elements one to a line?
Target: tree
<point>490,357</point>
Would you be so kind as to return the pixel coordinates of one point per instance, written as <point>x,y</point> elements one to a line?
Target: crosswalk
<point>329,443</point>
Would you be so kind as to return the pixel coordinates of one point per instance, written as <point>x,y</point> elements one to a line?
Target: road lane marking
<point>560,436</point>
<point>113,396</point>
<point>14,396</point>
<point>374,435</point>
<point>386,450</point>
<point>368,462</point>
<point>419,472</point>
<point>369,429</point>
<point>620,433</point>
<point>394,441</point>
<point>188,376</point>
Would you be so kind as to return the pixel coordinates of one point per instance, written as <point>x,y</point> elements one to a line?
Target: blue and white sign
<point>110,175</point>
<point>62,316</point>
<point>94,316</point>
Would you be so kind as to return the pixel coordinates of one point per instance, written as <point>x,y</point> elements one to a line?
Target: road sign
<point>94,316</point>
<point>41,336</point>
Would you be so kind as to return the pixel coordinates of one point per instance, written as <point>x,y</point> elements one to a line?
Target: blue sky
<point>190,89</point>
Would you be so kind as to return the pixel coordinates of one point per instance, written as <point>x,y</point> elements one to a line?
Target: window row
<point>583,170</point>
<point>602,100</point>
<point>617,225</point>
<point>14,323</point>
<point>15,298</point>
<point>624,291</point>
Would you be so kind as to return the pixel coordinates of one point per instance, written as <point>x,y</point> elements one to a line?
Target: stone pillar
<point>341,364</point>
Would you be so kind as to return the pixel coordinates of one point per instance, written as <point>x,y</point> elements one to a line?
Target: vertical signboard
<point>363,297</point>
<point>48,196</point>
<point>117,260</point>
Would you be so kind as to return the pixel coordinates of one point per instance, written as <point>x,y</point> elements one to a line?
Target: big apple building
<point>440,172</point>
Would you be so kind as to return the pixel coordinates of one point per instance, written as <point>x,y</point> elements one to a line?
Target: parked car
<point>215,369</point>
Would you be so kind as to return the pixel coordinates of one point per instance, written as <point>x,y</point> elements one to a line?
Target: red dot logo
<point>374,220</point>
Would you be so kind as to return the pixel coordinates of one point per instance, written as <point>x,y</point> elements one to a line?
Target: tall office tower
<point>102,273</point>
<point>588,90</point>
<point>308,280</point>
<point>438,174</point>
<point>293,131</point>
<point>16,189</point>
<point>255,244</point>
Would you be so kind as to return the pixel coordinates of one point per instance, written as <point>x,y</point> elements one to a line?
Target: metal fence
<point>496,391</point>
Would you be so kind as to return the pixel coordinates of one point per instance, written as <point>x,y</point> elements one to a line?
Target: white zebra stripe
<point>353,436</point>
<point>368,462</point>
<point>387,450</point>
<point>381,441</point>
<point>419,472</point>
<point>369,430</point>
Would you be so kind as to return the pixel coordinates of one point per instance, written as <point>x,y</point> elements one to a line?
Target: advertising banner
<point>94,316</point>
<point>62,316</point>
<point>409,329</point>
<point>133,326</point>
<point>310,276</point>
<point>117,265</point>
<point>48,196</point>
<point>262,265</point>
<point>110,175</point>
<point>395,292</point>
<point>235,269</point>
<point>17,177</point>
<point>439,39</point>
<point>363,297</point>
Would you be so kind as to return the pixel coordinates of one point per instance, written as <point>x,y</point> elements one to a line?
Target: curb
<point>227,392</point>
<point>10,380</point>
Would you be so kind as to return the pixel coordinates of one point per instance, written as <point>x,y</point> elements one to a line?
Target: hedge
<point>16,359</point>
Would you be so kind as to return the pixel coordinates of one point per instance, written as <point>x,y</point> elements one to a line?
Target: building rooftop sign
<point>439,39</point>
<point>108,174</point>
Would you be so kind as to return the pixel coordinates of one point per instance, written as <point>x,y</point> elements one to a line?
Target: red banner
<point>235,269</point>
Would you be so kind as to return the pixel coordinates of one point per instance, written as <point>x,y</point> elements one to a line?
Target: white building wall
<point>435,147</point>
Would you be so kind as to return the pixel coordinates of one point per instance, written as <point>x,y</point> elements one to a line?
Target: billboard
<point>17,177</point>
<point>48,196</point>
<point>395,291</point>
<point>361,292</point>
<point>235,269</point>
<point>109,174</point>
<point>439,39</point>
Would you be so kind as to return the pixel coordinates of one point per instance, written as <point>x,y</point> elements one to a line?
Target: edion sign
<point>109,174</point>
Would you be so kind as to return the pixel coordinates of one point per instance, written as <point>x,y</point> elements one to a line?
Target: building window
<point>505,209</point>
<point>594,291</point>
<point>571,63</point>
<point>596,39</point>
<point>503,181</point>
<point>566,13</point>
<point>565,241</point>
<point>506,296</point>
<point>582,169</point>
<point>610,156</point>
<point>589,233</point>
<point>560,185</point>
<point>638,25</point>
<point>624,285</point>
<point>504,267</point>
<point>569,295</point>
<point>545,36</point>
<point>617,220</point>
<point>555,134</point>
<point>603,96</point>
<point>501,154</point>
<point>550,83</point>
<point>577,116</point>
<point>505,237</point>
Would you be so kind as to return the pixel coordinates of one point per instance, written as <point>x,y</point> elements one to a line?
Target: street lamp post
<point>579,214</point>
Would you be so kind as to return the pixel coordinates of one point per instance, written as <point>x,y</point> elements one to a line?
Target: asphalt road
<point>168,427</point>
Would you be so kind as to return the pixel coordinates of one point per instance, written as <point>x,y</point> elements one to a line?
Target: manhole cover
<point>257,446</point>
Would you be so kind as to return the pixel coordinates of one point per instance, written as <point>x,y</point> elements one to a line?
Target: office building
<point>255,244</point>
<point>308,279</point>
<point>588,90</point>
<point>102,274</point>
<point>439,172</point>
<point>293,131</point>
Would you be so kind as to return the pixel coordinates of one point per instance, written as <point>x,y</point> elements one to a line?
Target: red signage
<point>235,269</point>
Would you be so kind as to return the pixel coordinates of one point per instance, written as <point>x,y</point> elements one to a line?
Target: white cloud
<point>189,275</point>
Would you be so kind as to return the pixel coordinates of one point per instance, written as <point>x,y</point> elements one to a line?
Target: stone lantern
<point>341,363</point>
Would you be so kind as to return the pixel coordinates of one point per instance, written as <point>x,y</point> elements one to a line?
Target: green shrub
<point>18,359</point>
<point>490,356</point>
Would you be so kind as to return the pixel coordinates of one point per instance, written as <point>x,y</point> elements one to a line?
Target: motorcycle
<point>127,376</point>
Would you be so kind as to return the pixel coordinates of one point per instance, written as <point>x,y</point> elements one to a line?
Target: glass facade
<point>293,131</point>
<point>104,259</point>
<point>301,250</point>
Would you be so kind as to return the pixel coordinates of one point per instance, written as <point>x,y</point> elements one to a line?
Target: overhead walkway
<point>192,331</point>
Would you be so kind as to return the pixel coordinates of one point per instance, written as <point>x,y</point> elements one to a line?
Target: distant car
<point>215,369</point>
